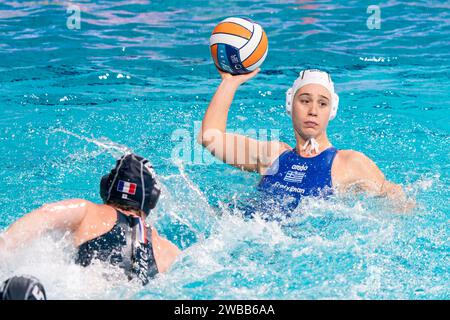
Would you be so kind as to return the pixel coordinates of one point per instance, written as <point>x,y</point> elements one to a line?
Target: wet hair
<point>126,207</point>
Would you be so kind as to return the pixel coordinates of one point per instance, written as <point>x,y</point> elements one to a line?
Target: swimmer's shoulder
<point>101,211</point>
<point>92,211</point>
<point>351,158</point>
<point>345,168</point>
<point>83,204</point>
<point>98,219</point>
<point>351,165</point>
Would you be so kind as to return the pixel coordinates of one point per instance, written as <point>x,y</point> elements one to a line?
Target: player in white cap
<point>313,167</point>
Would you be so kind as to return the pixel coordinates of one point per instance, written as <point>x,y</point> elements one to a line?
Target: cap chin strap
<point>311,146</point>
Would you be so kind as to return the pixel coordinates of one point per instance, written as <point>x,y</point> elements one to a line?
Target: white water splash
<point>50,259</point>
<point>113,148</point>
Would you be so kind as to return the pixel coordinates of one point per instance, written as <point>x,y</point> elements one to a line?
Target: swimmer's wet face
<point>311,110</point>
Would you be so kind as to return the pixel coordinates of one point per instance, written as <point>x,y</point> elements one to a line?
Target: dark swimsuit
<point>127,245</point>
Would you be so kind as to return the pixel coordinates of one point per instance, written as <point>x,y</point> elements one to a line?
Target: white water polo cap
<point>317,77</point>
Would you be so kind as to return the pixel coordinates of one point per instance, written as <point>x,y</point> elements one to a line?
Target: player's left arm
<point>365,175</point>
<point>64,215</point>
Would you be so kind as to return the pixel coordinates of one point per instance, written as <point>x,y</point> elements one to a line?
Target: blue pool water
<point>138,73</point>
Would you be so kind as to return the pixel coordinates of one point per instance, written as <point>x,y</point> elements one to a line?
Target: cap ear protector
<point>133,183</point>
<point>289,101</point>
<point>104,187</point>
<point>155,191</point>
<point>316,77</point>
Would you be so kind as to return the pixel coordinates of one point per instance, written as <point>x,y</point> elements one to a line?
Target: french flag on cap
<point>127,187</point>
